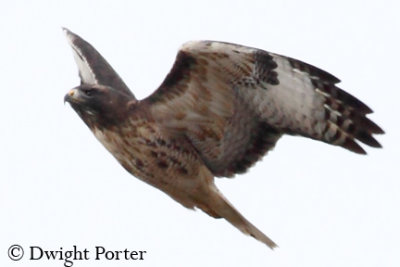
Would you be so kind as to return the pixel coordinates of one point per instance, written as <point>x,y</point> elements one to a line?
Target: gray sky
<point>323,205</point>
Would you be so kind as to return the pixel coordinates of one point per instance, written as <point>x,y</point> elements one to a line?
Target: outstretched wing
<point>93,68</point>
<point>234,102</point>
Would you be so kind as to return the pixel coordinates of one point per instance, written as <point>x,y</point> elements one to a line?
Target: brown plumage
<point>218,111</point>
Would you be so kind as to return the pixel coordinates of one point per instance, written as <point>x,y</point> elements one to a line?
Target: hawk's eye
<point>89,91</point>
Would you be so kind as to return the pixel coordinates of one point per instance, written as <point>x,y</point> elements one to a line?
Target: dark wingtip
<point>367,138</point>
<point>374,128</point>
<point>352,145</point>
<point>350,100</point>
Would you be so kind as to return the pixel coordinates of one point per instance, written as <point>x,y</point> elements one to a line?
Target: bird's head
<point>102,99</point>
<point>98,105</point>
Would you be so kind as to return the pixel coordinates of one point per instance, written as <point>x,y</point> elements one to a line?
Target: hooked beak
<point>72,96</point>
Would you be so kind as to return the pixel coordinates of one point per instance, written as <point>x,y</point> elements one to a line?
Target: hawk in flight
<point>221,108</point>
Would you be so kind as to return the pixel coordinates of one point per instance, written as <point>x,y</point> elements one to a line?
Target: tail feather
<point>219,207</point>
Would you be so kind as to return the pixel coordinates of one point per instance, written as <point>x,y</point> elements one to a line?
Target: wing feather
<point>234,102</point>
<point>93,68</point>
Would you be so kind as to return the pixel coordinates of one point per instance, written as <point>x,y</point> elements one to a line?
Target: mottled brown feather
<point>227,90</point>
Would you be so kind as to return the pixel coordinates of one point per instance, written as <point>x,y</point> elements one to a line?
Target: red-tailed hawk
<point>220,109</point>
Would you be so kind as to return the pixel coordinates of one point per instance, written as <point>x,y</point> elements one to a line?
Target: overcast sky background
<point>322,205</point>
